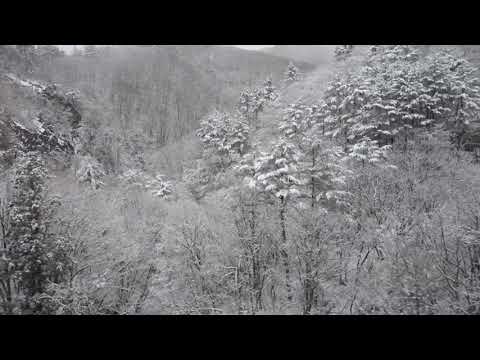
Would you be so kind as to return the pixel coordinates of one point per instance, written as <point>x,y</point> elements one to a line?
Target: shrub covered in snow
<point>157,185</point>
<point>90,171</point>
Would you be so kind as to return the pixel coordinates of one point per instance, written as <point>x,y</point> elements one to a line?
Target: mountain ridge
<point>313,54</point>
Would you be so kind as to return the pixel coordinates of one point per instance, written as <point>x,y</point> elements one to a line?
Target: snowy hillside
<point>202,179</point>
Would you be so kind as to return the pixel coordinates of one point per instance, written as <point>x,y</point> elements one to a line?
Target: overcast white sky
<point>69,48</point>
<point>253,47</point>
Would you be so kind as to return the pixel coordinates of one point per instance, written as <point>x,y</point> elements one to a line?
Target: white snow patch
<point>39,125</point>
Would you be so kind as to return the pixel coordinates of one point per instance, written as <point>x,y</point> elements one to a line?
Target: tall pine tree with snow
<point>269,91</point>
<point>213,132</point>
<point>227,135</point>
<point>248,206</point>
<point>367,151</point>
<point>292,125</point>
<point>292,74</point>
<point>276,176</point>
<point>276,171</point>
<point>323,170</point>
<point>343,107</point>
<point>251,104</point>
<point>34,256</point>
<point>321,164</point>
<point>257,106</point>
<point>28,246</point>
<point>398,91</point>
<point>238,134</point>
<point>244,103</point>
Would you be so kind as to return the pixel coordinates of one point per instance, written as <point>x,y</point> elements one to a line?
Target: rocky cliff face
<point>48,119</point>
<point>43,117</point>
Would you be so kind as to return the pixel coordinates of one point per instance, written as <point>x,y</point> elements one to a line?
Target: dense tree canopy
<point>206,180</point>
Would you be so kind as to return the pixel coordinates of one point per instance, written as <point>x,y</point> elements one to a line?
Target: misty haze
<point>239,179</point>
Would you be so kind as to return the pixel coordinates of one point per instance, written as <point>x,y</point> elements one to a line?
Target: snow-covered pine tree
<point>252,103</point>
<point>323,169</point>
<point>212,129</point>
<point>319,180</point>
<point>456,89</point>
<point>269,91</point>
<point>250,198</point>
<point>321,162</point>
<point>367,151</point>
<point>159,186</point>
<point>276,171</point>
<point>421,92</point>
<point>343,107</point>
<point>395,89</point>
<point>291,74</point>
<point>365,103</point>
<point>238,134</point>
<point>292,125</point>
<point>398,91</point>
<point>28,247</point>
<point>276,175</point>
<point>257,106</point>
<point>244,104</point>
<point>227,135</point>
<point>34,256</point>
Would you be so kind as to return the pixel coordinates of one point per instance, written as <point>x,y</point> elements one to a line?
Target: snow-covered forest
<point>202,179</point>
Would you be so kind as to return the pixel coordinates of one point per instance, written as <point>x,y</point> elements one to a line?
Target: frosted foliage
<point>368,151</point>
<point>225,133</point>
<point>90,171</point>
<point>269,91</point>
<point>157,185</point>
<point>291,74</point>
<point>395,91</point>
<point>293,122</point>
<point>322,168</point>
<point>34,257</point>
<point>276,172</point>
<point>252,102</point>
<point>191,183</point>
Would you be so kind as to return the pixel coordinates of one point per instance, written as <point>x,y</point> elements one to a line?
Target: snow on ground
<point>34,85</point>
<point>38,125</point>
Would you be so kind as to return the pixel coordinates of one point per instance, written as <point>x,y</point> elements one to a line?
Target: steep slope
<point>308,90</point>
<point>137,99</point>
<point>164,90</point>
<point>37,116</point>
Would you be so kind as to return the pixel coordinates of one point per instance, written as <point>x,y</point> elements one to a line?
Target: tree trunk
<point>313,179</point>
<point>308,289</point>
<point>283,250</point>
<point>257,283</point>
